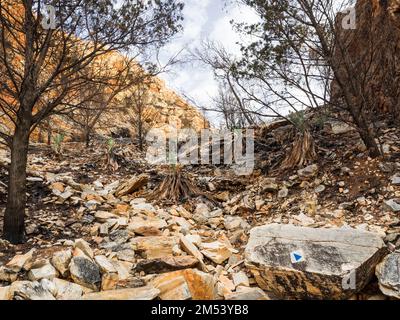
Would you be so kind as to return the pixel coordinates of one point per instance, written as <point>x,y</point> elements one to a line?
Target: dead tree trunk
<point>140,134</point>
<point>13,229</point>
<point>87,137</point>
<point>367,136</point>
<point>48,132</point>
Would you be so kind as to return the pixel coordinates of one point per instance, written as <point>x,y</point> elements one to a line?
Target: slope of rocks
<point>93,235</point>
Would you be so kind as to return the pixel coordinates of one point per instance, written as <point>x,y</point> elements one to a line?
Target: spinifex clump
<point>176,186</point>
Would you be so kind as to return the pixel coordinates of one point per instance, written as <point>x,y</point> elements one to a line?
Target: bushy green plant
<point>110,145</point>
<point>57,142</point>
<point>298,119</point>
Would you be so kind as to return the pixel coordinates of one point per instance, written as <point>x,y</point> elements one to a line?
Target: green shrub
<point>57,142</point>
<point>298,119</point>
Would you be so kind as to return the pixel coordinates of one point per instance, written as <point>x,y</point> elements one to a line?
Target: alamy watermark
<point>188,147</point>
<point>49,19</point>
<point>349,20</point>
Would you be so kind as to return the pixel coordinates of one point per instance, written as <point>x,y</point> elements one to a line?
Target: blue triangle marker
<point>297,257</point>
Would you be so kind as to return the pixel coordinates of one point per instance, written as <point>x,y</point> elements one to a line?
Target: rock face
<point>388,273</point>
<point>378,23</point>
<point>305,263</point>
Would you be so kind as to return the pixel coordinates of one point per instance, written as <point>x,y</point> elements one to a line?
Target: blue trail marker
<point>297,256</point>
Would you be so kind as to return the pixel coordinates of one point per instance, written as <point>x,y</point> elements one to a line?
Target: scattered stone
<point>31,229</point>
<point>85,247</point>
<point>21,261</point>
<point>283,193</point>
<point>392,204</point>
<point>199,285</point>
<point>194,238</point>
<point>104,216</point>
<point>182,222</point>
<point>173,288</point>
<point>61,260</point>
<point>329,257</point>
<point>241,279</point>
<point>59,186</point>
<point>85,272</point>
<point>143,293</point>
<point>119,236</point>
<point>67,290</point>
<point>388,274</point>
<point>132,185</point>
<point>308,172</point>
<point>346,205</point>
<point>126,255</point>
<point>337,127</point>
<point>166,264</point>
<point>26,290</point>
<point>143,207</point>
<point>63,196</point>
<point>7,275</point>
<point>320,188</point>
<point>216,251</point>
<point>103,229</point>
<point>146,226</point>
<point>395,180</point>
<point>377,297</point>
<point>225,286</point>
<point>155,247</point>
<point>201,213</point>
<point>235,222</point>
<point>191,249</point>
<point>105,265</point>
<point>304,220</point>
<point>223,196</point>
<point>5,293</point>
<point>47,271</point>
<point>109,281</point>
<point>269,185</point>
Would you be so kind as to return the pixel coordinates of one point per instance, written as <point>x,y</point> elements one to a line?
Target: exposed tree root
<point>302,152</point>
<point>176,187</point>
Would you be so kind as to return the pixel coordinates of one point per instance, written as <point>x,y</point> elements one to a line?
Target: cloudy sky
<point>204,19</point>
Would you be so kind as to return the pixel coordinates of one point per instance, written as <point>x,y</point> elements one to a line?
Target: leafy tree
<point>42,66</point>
<point>298,50</point>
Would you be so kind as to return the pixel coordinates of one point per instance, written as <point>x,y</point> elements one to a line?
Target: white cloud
<point>223,31</point>
<point>203,19</point>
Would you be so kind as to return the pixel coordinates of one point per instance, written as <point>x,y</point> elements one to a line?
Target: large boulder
<point>388,273</point>
<point>304,263</point>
